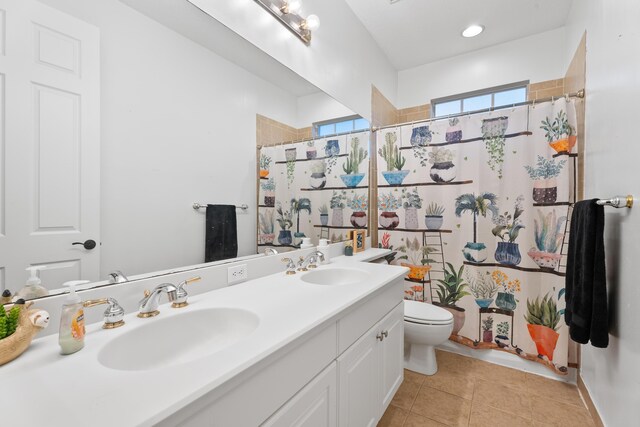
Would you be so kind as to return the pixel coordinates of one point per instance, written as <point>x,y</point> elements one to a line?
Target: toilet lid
<point>420,312</point>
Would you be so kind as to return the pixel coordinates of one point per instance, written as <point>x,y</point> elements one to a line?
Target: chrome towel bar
<point>197,206</point>
<point>617,201</point>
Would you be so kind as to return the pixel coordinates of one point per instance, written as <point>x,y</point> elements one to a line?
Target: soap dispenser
<point>33,288</point>
<point>323,246</point>
<point>71,336</point>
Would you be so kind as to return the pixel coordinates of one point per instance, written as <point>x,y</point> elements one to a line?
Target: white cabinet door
<point>359,382</point>
<point>313,406</point>
<point>49,144</point>
<point>391,355</point>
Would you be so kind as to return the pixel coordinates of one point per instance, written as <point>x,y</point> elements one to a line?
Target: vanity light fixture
<point>472,31</point>
<point>287,12</point>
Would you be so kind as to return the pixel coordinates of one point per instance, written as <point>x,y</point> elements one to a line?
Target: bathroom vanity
<point>322,347</point>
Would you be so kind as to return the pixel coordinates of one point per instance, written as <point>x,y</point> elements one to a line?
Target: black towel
<point>586,282</point>
<point>221,237</point>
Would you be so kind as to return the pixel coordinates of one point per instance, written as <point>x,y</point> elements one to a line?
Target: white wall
<point>318,107</point>
<point>178,126</point>
<point>612,375</point>
<point>535,58</point>
<point>343,60</point>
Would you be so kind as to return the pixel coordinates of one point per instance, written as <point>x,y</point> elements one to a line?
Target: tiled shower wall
<point>272,132</point>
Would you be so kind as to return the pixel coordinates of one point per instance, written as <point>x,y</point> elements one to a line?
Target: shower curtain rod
<point>295,141</point>
<point>578,94</point>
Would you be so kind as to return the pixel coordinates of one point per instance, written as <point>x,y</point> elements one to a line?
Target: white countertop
<point>45,388</point>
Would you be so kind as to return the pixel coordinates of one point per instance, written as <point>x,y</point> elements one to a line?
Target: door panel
<point>392,362</point>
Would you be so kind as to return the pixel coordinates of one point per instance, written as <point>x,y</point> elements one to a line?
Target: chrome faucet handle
<point>270,251</point>
<point>291,266</point>
<point>302,264</point>
<point>313,258</point>
<point>113,315</point>
<point>117,276</point>
<point>182,295</point>
<point>149,304</point>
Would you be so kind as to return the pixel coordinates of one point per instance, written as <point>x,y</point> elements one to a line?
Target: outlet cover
<point>237,273</point>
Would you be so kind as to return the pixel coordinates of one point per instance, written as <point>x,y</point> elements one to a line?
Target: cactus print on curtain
<point>311,188</point>
<point>477,208</point>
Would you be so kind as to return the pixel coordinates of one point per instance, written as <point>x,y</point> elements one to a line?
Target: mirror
<point>139,109</point>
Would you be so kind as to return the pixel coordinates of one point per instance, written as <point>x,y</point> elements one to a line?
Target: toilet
<point>425,327</point>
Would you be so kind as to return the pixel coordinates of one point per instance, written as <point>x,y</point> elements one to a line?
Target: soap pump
<point>71,336</point>
<point>33,288</point>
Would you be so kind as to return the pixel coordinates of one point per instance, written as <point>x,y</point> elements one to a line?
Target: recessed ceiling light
<point>472,30</point>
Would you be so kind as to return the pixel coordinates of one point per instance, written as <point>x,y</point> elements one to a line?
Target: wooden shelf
<point>465,141</point>
<point>278,246</point>
<point>418,230</point>
<point>553,204</point>
<point>344,227</point>
<point>422,282</point>
<point>310,160</point>
<point>496,310</point>
<point>564,153</point>
<point>264,177</point>
<point>422,184</point>
<point>334,188</point>
<point>265,206</point>
<point>515,267</point>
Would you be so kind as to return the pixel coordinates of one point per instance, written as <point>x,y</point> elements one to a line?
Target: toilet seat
<point>426,314</point>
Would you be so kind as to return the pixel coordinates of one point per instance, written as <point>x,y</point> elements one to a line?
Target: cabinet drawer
<point>368,313</point>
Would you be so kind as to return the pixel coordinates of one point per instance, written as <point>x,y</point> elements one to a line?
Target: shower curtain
<point>316,188</point>
<point>477,206</point>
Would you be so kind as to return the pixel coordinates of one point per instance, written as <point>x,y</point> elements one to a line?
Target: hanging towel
<point>586,283</point>
<point>221,237</point>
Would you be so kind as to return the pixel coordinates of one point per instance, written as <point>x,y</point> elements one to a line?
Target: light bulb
<point>472,31</point>
<point>294,6</point>
<point>312,22</point>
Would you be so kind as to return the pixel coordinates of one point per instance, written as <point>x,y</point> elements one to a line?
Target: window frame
<point>461,97</point>
<point>316,125</point>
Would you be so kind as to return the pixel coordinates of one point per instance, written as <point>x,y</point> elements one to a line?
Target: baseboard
<point>584,392</point>
<point>508,360</point>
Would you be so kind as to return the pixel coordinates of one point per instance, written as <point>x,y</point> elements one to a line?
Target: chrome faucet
<point>117,276</point>
<point>291,266</point>
<point>113,315</point>
<point>270,251</point>
<point>311,260</point>
<point>181,293</point>
<point>148,305</point>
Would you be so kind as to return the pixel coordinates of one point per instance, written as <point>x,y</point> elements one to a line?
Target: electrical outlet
<point>237,274</point>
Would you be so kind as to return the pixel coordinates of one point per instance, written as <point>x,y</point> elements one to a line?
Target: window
<point>480,100</point>
<point>342,125</point>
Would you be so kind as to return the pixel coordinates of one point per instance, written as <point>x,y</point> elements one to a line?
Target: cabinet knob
<point>385,334</point>
<point>379,337</point>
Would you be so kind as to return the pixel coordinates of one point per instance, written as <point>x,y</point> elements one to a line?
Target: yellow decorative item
<point>30,322</point>
<point>416,272</point>
<point>563,145</point>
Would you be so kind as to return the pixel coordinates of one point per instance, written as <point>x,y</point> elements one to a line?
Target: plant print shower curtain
<point>477,208</point>
<point>316,188</point>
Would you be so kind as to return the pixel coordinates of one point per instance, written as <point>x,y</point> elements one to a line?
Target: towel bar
<point>197,206</point>
<point>617,201</point>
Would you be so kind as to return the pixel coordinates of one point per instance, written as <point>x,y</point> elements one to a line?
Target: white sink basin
<point>335,276</point>
<point>178,339</point>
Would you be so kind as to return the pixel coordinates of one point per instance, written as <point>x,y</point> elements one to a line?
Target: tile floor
<point>470,392</point>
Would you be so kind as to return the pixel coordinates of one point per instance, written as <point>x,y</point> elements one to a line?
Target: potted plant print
<point>442,169</point>
<point>450,291</point>
<point>559,133</point>
<point>544,174</point>
<point>542,319</point>
<point>412,202</point>
<point>359,205</point>
<point>549,233</point>
<point>265,163</point>
<point>297,206</point>
<point>482,288</point>
<point>385,243</point>
<point>421,136</point>
<point>454,131</point>
<point>418,257</point>
<point>285,221</point>
<point>269,189</point>
<point>433,216</point>
<point>324,215</point>
<point>506,299</point>
<point>332,151</point>
<point>388,204</point>
<point>351,166</point>
<point>502,337</point>
<point>290,156</point>
<point>478,206</point>
<point>266,221</point>
<point>507,228</point>
<point>318,177</point>
<point>394,175</point>
<point>493,135</point>
<point>312,153</point>
<point>487,329</point>
<point>336,203</point>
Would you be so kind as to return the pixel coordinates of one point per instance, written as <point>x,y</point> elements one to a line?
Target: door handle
<point>88,244</point>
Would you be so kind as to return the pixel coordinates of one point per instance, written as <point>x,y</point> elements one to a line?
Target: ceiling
<point>416,32</point>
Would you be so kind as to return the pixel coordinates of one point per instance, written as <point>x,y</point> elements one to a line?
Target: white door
<point>49,144</point>
<point>392,355</point>
<point>359,382</point>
